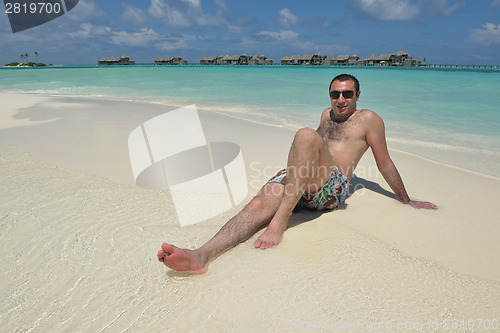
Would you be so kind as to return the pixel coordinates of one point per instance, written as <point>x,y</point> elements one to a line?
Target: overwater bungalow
<point>353,60</point>
<point>259,60</point>
<point>177,60</point>
<point>237,59</point>
<point>330,61</point>
<point>212,60</point>
<point>342,59</point>
<point>400,58</point>
<point>384,59</point>
<point>306,59</point>
<point>371,60</point>
<point>123,60</point>
<point>285,60</point>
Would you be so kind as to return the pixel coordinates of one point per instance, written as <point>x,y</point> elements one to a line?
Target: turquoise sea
<point>447,115</point>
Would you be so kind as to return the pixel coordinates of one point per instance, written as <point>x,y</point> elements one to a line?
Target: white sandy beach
<point>78,238</point>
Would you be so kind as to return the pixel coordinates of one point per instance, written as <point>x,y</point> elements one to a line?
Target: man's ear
<point>357,94</point>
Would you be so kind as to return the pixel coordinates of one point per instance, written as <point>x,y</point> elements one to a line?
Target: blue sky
<point>442,31</point>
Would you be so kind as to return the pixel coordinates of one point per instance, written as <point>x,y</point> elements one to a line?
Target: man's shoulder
<point>369,116</point>
<point>367,113</point>
<point>327,111</point>
<point>325,114</point>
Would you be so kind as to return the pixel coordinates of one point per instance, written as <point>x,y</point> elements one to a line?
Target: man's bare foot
<point>270,238</point>
<point>181,260</point>
<point>422,205</point>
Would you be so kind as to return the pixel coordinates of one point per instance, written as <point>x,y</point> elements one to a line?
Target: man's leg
<point>257,213</point>
<point>309,167</point>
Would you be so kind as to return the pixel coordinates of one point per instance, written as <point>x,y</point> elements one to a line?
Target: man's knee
<point>307,136</point>
<point>258,209</point>
<point>267,199</point>
<point>254,205</point>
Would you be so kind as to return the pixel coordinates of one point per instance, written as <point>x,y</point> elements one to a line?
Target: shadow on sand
<point>355,184</point>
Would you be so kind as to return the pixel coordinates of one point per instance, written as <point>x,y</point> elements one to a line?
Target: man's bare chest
<point>331,131</point>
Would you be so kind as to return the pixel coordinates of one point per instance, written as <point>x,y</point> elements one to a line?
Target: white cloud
<point>489,34</point>
<point>133,15</point>
<point>287,19</point>
<point>203,18</point>
<point>482,58</point>
<point>85,11</point>
<point>84,32</point>
<point>143,37</point>
<point>194,3</point>
<point>495,4</point>
<point>186,13</point>
<point>222,5</point>
<point>388,10</point>
<point>168,15</point>
<point>282,35</point>
<point>149,38</point>
<point>440,7</point>
<point>206,20</point>
<point>455,7</point>
<point>174,43</point>
<point>289,43</point>
<point>235,29</point>
<point>287,37</point>
<point>403,10</point>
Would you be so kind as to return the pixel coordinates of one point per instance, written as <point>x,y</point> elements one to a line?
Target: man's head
<point>344,93</point>
<point>346,77</point>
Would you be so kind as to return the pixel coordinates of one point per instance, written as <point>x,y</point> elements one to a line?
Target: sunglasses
<point>346,93</point>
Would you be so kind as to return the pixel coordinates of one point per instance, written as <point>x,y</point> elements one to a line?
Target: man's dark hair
<point>345,77</point>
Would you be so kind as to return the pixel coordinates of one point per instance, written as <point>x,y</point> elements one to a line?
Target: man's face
<point>343,105</point>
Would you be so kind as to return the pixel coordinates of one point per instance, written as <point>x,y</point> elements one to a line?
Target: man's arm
<point>375,138</point>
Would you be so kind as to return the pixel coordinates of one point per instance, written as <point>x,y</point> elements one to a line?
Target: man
<point>320,165</point>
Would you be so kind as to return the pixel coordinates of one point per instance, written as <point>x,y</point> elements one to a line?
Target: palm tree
<point>22,58</point>
<point>27,56</point>
<point>36,55</point>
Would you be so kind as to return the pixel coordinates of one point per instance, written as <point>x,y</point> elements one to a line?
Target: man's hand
<point>422,204</point>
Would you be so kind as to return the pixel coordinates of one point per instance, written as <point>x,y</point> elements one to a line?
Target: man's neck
<point>340,120</point>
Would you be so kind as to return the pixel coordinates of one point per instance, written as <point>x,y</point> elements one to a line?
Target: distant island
<point>28,64</point>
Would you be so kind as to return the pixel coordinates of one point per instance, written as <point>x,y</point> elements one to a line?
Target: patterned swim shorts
<point>330,196</point>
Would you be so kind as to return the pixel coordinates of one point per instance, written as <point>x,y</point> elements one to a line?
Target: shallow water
<point>451,116</point>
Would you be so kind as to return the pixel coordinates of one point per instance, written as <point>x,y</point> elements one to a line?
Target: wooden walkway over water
<point>462,66</point>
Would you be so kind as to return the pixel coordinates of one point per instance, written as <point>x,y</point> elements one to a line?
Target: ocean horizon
<point>447,115</point>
